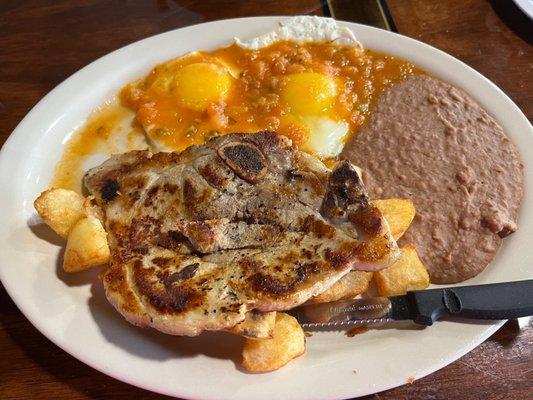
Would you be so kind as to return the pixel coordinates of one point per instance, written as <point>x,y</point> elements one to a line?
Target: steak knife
<point>492,301</point>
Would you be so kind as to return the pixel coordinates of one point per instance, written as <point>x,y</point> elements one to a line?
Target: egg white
<point>326,136</point>
<point>301,29</point>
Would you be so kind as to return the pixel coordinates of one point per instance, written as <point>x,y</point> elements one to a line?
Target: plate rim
<point>526,6</point>
<point>19,131</point>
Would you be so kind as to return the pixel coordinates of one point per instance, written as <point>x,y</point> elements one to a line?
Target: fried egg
<point>178,93</point>
<point>310,95</point>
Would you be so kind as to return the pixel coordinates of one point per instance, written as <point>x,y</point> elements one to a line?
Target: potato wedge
<point>288,342</point>
<point>399,214</point>
<point>350,285</point>
<point>86,245</point>
<point>408,273</point>
<point>257,325</point>
<point>60,209</point>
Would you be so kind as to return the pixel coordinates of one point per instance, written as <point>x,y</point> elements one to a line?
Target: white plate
<point>73,313</point>
<point>526,6</point>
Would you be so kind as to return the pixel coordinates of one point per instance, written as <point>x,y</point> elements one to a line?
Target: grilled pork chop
<point>244,222</point>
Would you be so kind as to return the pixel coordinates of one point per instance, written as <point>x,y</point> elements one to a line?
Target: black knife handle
<point>492,301</point>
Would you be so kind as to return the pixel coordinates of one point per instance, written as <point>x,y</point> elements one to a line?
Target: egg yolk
<point>308,92</point>
<point>200,84</point>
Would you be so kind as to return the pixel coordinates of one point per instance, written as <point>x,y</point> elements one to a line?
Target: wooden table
<point>43,42</point>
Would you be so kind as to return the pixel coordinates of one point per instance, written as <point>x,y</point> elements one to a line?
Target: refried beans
<point>432,143</point>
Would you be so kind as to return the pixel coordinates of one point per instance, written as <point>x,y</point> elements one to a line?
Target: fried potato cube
<point>399,214</point>
<point>408,273</point>
<point>86,245</point>
<point>350,285</point>
<point>287,342</point>
<point>76,219</point>
<point>60,209</point>
<point>257,325</point>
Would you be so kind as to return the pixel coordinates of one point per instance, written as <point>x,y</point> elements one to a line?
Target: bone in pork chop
<point>244,222</point>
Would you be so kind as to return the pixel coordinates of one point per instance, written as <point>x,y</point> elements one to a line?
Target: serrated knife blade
<point>348,313</point>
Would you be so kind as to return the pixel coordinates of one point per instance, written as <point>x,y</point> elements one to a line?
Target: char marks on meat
<point>244,222</point>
